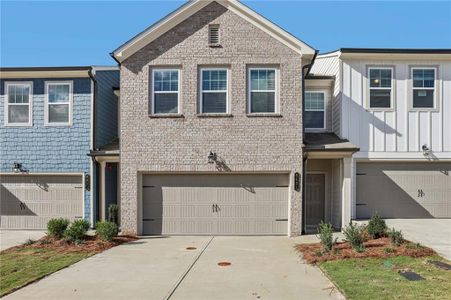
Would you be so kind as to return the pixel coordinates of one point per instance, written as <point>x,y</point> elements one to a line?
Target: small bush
<point>29,242</point>
<point>355,235</point>
<point>76,231</point>
<point>113,213</point>
<point>389,250</point>
<point>326,231</point>
<point>56,227</point>
<point>395,236</point>
<point>360,248</point>
<point>45,241</point>
<point>319,253</point>
<point>376,226</point>
<point>106,230</point>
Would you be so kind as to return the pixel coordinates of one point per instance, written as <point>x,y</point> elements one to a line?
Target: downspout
<point>94,185</point>
<point>305,155</point>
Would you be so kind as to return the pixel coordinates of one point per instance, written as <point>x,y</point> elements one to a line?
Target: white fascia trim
<point>192,7</point>
<point>395,156</point>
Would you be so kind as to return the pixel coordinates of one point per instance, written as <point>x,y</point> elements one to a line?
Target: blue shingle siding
<point>106,107</point>
<point>41,149</point>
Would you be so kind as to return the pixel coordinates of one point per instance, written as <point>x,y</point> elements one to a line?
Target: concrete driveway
<point>162,268</point>
<point>434,233</point>
<point>11,238</point>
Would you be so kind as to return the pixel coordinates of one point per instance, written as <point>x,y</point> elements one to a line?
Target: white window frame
<point>47,103</point>
<point>324,111</point>
<point>179,71</point>
<point>30,104</point>
<point>276,91</point>
<point>435,106</point>
<point>222,91</point>
<point>381,88</point>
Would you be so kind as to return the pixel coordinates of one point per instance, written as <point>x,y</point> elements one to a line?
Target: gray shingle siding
<point>106,107</point>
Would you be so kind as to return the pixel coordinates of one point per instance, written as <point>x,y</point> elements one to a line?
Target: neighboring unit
<point>46,132</point>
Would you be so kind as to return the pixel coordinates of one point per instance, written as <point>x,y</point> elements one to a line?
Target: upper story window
<point>314,111</point>
<point>423,87</point>
<point>18,104</point>
<point>58,103</point>
<point>213,35</point>
<point>165,91</point>
<point>380,85</point>
<point>214,92</point>
<point>263,90</point>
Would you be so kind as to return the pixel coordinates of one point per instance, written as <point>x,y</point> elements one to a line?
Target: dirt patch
<point>90,244</point>
<point>313,253</point>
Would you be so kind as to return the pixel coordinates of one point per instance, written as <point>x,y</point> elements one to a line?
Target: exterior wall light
<point>17,167</point>
<point>426,150</point>
<point>212,157</point>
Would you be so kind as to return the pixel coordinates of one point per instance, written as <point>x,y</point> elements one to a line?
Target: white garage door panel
<point>407,190</point>
<point>186,204</point>
<point>29,201</point>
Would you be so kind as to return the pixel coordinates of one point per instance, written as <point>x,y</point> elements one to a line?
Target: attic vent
<point>213,35</point>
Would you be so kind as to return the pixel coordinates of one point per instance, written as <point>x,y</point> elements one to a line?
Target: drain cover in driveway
<point>411,276</point>
<point>440,264</point>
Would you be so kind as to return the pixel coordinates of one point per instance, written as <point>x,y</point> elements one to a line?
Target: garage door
<point>215,204</point>
<point>404,190</point>
<point>29,201</point>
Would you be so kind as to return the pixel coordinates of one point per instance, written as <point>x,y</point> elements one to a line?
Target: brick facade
<point>246,144</point>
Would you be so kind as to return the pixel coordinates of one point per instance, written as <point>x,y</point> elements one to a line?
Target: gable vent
<point>213,35</point>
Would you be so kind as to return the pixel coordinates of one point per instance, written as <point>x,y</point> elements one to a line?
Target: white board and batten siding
<point>399,132</point>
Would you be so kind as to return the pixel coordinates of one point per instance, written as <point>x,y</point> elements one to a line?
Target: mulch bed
<point>313,253</point>
<point>90,244</point>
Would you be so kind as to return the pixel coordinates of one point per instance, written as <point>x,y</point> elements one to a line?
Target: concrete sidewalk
<point>11,238</point>
<point>162,267</point>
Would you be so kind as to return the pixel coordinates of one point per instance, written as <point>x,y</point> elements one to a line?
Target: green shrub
<point>56,227</point>
<point>29,242</point>
<point>389,250</point>
<point>395,236</point>
<point>359,248</point>
<point>76,231</point>
<point>326,232</point>
<point>113,213</point>
<point>376,226</point>
<point>355,235</point>
<point>106,230</point>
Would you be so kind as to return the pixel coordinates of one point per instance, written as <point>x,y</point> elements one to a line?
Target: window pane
<point>380,77</point>
<point>262,102</point>
<point>18,93</point>
<point>380,98</point>
<point>58,113</point>
<point>375,78</point>
<point>314,101</point>
<point>18,113</point>
<point>263,80</point>
<point>254,79</point>
<point>314,119</point>
<point>417,83</point>
<point>58,93</point>
<point>165,103</point>
<point>165,81</point>
<point>423,98</point>
<point>214,102</point>
<point>214,80</point>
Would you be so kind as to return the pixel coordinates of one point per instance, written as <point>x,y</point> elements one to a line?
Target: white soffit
<point>190,8</point>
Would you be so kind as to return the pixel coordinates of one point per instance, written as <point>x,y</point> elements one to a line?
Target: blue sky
<point>65,33</point>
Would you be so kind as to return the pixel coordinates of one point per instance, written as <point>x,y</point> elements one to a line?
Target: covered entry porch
<point>329,168</point>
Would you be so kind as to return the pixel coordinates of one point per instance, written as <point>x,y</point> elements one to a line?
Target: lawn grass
<point>24,265</point>
<point>378,278</point>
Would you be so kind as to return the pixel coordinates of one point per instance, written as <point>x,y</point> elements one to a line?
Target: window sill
<point>18,125</point>
<point>425,109</point>
<point>264,115</point>
<point>214,115</point>
<point>170,116</point>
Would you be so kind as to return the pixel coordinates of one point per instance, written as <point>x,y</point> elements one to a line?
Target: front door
<point>314,201</point>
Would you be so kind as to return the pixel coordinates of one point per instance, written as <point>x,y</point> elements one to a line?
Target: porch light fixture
<point>17,167</point>
<point>212,157</point>
<point>426,150</point>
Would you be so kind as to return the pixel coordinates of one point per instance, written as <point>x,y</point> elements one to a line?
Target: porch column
<point>102,190</point>
<point>347,191</point>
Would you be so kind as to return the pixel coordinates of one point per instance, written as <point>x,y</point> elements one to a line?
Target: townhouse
<point>222,123</point>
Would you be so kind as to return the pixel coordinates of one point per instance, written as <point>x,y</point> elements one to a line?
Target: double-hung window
<point>423,87</point>
<point>58,106</point>
<point>214,91</point>
<point>380,87</point>
<point>165,91</point>
<point>262,90</point>
<point>314,110</point>
<point>18,103</point>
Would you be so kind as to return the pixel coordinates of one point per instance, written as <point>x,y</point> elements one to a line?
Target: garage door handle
<point>280,220</point>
